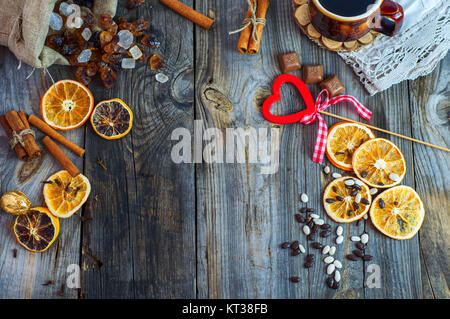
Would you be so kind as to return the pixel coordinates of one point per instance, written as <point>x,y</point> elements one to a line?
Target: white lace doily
<point>415,51</point>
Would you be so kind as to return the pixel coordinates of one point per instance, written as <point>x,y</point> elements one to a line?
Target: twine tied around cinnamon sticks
<point>17,138</point>
<point>252,27</point>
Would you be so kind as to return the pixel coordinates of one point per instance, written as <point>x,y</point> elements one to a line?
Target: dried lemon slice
<point>112,119</point>
<point>343,140</point>
<point>398,212</point>
<point>346,199</point>
<point>37,229</point>
<point>379,163</point>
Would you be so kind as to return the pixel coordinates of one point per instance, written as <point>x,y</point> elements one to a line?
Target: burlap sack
<point>24,26</point>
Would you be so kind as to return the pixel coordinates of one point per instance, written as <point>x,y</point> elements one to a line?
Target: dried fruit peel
<point>112,119</point>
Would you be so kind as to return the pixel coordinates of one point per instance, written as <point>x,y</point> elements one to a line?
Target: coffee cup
<point>347,20</point>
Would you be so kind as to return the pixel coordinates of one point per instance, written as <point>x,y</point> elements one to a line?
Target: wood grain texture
<point>24,276</point>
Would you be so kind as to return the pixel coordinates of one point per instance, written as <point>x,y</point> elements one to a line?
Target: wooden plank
<point>242,215</point>
<point>429,109</point>
<point>143,225</point>
<point>22,277</point>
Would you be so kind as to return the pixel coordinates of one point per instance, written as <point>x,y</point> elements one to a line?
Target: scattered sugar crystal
<point>56,22</point>
<point>161,78</point>
<point>66,9</point>
<point>77,23</point>
<point>135,52</point>
<point>86,34</point>
<point>84,56</point>
<point>128,63</point>
<point>125,39</point>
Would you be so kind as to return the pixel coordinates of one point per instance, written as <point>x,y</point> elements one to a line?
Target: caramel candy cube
<point>333,86</point>
<point>289,62</point>
<point>312,74</point>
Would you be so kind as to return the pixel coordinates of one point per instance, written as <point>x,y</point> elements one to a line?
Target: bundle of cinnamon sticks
<point>250,39</point>
<point>17,128</point>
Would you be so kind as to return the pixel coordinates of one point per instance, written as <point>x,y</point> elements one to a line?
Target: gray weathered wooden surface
<point>166,230</point>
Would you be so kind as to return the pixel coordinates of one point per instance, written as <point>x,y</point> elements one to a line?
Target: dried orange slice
<point>346,199</point>
<point>37,229</point>
<point>398,212</point>
<point>379,163</point>
<point>66,105</point>
<point>64,195</point>
<point>112,119</point>
<point>343,140</point>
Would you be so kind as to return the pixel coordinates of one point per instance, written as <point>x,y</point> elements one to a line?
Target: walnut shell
<point>15,203</point>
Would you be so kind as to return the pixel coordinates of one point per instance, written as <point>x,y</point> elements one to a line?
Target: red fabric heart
<point>291,118</point>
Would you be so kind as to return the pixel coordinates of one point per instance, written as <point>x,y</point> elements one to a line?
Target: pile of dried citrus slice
<point>377,163</point>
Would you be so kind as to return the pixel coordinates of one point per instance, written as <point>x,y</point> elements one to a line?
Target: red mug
<point>383,16</point>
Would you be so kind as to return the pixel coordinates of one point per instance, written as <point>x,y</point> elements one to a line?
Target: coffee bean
<point>339,198</point>
<point>311,237</point>
<point>354,193</point>
<point>367,258</point>
<point>351,257</point>
<point>360,246</point>
<point>300,218</point>
<point>295,252</point>
<point>285,245</point>
<point>330,200</point>
<point>307,265</point>
<point>364,174</point>
<point>325,233</point>
<point>317,245</point>
<point>294,279</point>
<point>294,245</point>
<point>310,258</point>
<point>358,253</point>
<point>381,203</point>
<point>330,282</point>
<point>325,226</point>
<point>336,285</point>
<point>365,201</point>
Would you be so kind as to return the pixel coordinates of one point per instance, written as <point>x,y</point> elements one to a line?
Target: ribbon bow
<point>312,112</point>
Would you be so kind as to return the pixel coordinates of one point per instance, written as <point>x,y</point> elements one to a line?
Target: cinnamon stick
<point>244,39</point>
<point>20,151</point>
<point>16,124</point>
<point>189,13</point>
<point>261,11</point>
<point>46,129</point>
<point>59,155</point>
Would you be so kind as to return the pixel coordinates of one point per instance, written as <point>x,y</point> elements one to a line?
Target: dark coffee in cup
<point>347,8</point>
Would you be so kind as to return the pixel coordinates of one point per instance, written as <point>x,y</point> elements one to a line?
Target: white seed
<point>326,169</point>
<point>394,177</point>
<point>337,276</point>
<point>366,216</point>
<point>319,221</point>
<point>349,182</point>
<point>326,249</point>
<point>304,198</point>
<point>337,264</point>
<point>330,269</point>
<point>306,230</point>
<point>332,250</point>
<point>339,230</point>
<point>302,249</point>
<point>328,260</point>
<point>358,198</point>
<point>364,238</point>
<point>373,191</point>
<point>336,175</point>
<point>315,216</point>
<point>355,238</point>
<point>339,240</point>
<point>358,182</point>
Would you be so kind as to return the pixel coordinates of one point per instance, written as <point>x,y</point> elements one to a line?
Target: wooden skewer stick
<point>385,131</point>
